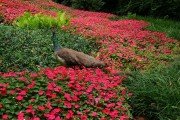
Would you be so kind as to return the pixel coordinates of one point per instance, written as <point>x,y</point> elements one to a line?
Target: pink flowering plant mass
<point>62,93</point>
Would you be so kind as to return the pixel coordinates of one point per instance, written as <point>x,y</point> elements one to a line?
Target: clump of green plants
<point>27,20</point>
<point>156,94</point>
<point>26,48</point>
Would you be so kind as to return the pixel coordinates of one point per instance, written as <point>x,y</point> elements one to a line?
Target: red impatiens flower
<point>1,105</point>
<point>56,110</point>
<point>49,116</point>
<point>3,91</point>
<point>69,114</point>
<point>30,111</point>
<point>41,108</point>
<point>94,114</point>
<point>40,92</point>
<point>67,104</point>
<point>67,96</point>
<point>22,79</point>
<point>49,105</point>
<point>20,116</point>
<point>106,111</point>
<point>31,85</point>
<point>84,117</point>
<point>19,97</point>
<point>22,92</point>
<point>12,92</point>
<point>5,117</point>
<point>36,118</point>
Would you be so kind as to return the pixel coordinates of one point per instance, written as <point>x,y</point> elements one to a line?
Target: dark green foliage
<point>159,8</point>
<point>156,94</point>
<point>22,49</point>
<point>92,5</point>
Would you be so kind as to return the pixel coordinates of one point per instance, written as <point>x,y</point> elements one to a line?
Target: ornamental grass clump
<point>62,93</point>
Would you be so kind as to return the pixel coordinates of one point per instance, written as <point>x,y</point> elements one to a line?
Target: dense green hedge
<point>158,8</point>
<point>92,5</point>
<point>23,48</point>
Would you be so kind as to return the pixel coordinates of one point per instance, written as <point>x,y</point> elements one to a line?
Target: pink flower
<point>36,118</point>
<point>69,114</point>
<point>114,113</point>
<point>20,116</point>
<point>31,85</point>
<point>1,106</point>
<point>19,97</point>
<point>30,106</point>
<point>67,96</point>
<point>53,95</point>
<point>106,111</point>
<point>49,116</point>
<point>83,117</point>
<point>123,92</point>
<point>58,118</point>
<point>40,92</point>
<point>5,117</point>
<point>49,105</point>
<point>22,92</point>
<point>23,79</point>
<point>67,104</point>
<point>110,105</point>
<point>30,111</point>
<point>93,114</point>
<point>41,108</point>
<point>50,86</point>
<point>56,110</point>
<point>124,117</point>
<point>12,92</point>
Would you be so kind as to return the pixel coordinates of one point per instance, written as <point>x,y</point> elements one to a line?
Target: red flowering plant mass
<point>62,93</point>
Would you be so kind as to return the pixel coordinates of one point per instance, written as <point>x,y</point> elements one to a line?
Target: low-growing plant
<point>41,21</point>
<point>62,94</point>
<point>25,49</point>
<point>156,94</point>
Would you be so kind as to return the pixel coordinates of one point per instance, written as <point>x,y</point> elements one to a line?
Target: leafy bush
<point>23,48</point>
<point>160,8</point>
<point>62,93</point>
<point>156,94</point>
<point>41,21</point>
<point>92,5</point>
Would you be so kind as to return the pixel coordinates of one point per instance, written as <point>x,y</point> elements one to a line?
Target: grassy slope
<point>156,94</point>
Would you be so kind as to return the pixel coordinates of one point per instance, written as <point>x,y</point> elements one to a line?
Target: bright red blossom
<point>19,97</point>
<point>5,117</point>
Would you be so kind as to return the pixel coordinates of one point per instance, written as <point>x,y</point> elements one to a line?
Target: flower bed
<point>62,93</point>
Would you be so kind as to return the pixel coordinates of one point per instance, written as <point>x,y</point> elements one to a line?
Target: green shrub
<point>160,8</point>
<point>41,21</point>
<point>92,5</point>
<point>156,94</point>
<point>22,49</point>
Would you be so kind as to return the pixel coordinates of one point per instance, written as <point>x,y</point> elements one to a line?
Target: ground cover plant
<point>125,45</point>
<point>62,93</point>
<point>157,94</point>
<point>27,48</point>
<point>170,27</point>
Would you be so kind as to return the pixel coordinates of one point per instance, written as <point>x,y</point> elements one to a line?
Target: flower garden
<point>60,93</point>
